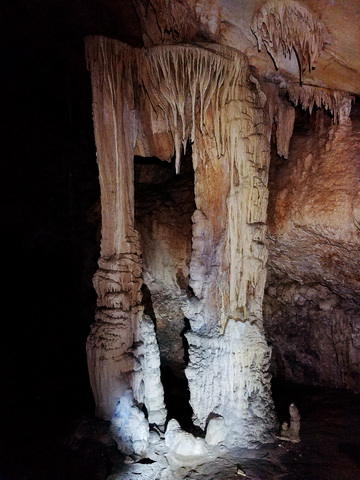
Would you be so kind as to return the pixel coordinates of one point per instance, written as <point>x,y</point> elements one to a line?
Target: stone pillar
<point>229,357</point>
<point>116,359</point>
<point>205,95</point>
<point>118,279</point>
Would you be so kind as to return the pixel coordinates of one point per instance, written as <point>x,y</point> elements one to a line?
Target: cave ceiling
<point>230,22</point>
<point>227,22</point>
<point>338,65</point>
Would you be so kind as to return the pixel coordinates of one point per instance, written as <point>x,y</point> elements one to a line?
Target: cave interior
<point>300,321</point>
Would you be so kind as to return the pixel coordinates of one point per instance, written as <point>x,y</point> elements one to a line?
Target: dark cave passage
<point>164,206</point>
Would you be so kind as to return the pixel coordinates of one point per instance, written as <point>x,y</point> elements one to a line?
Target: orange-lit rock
<point>312,303</point>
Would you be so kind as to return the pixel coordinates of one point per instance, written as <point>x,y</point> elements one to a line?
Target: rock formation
<point>290,430</point>
<point>311,303</point>
<point>204,95</point>
<point>194,94</point>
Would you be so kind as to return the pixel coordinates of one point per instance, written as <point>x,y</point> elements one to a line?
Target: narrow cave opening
<point>164,204</point>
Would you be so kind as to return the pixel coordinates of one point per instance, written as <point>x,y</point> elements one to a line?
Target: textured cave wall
<point>312,299</point>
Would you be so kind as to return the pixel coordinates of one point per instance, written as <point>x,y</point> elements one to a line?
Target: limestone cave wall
<point>312,298</point>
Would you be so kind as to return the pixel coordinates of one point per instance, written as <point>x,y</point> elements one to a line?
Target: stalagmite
<point>146,384</point>
<point>282,96</point>
<point>129,427</point>
<point>290,431</point>
<point>182,444</point>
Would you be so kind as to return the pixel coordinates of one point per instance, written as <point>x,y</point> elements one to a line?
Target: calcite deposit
<point>185,249</point>
<point>206,96</point>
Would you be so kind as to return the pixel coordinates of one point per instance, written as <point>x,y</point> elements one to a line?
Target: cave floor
<point>42,449</point>
<point>329,447</point>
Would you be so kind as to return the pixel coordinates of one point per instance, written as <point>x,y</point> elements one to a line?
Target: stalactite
<point>281,112</point>
<point>336,102</point>
<point>282,96</point>
<point>286,26</point>
<point>204,93</point>
<point>181,79</point>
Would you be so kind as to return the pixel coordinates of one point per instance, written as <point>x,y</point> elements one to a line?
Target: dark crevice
<point>177,400</point>
<point>177,394</point>
<point>146,461</point>
<point>164,206</point>
<point>147,303</point>
<point>186,328</point>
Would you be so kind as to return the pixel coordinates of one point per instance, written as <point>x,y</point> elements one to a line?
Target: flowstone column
<point>203,94</point>
<point>117,360</point>
<point>207,96</point>
<point>228,353</point>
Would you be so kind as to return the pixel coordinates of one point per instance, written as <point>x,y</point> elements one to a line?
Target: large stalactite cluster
<point>288,28</point>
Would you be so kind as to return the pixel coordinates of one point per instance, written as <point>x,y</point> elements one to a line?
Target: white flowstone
<point>226,377</point>
<point>147,385</point>
<point>129,427</point>
<point>184,444</point>
<point>215,431</point>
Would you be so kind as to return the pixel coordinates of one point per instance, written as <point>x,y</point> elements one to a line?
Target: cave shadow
<point>177,393</point>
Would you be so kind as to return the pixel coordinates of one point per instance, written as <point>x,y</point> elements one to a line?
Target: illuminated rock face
<point>154,102</point>
<point>208,97</point>
<point>227,376</point>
